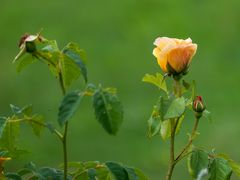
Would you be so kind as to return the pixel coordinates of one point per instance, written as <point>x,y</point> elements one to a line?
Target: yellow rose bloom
<point>174,55</point>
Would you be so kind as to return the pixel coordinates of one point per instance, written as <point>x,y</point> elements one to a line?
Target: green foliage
<point>165,109</point>
<point>220,170</point>
<point>197,162</point>
<point>10,128</point>
<point>26,60</point>
<point>103,171</point>
<point>78,56</point>
<point>216,167</point>
<point>3,153</point>
<point>49,53</point>
<point>154,122</point>
<point>3,122</point>
<point>15,109</point>
<point>49,47</point>
<point>140,175</point>
<point>30,171</point>
<point>234,165</point>
<point>176,108</point>
<point>166,128</point>
<point>157,80</point>
<point>70,70</point>
<point>10,136</point>
<point>69,106</point>
<point>35,122</point>
<point>119,172</point>
<point>14,176</point>
<point>207,115</point>
<point>108,109</point>
<point>67,64</point>
<point>27,110</point>
<point>166,119</point>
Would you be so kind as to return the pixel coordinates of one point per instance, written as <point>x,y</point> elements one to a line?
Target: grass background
<point>118,37</point>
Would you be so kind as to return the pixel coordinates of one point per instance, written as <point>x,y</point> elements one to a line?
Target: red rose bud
<point>198,105</point>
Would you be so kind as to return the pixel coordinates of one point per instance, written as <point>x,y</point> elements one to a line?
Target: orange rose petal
<point>163,64</point>
<point>180,57</point>
<point>156,52</point>
<point>162,61</point>
<point>163,42</point>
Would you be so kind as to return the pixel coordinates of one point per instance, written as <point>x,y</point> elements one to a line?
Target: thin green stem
<point>64,137</point>
<point>64,141</point>
<point>174,124</point>
<point>65,150</point>
<point>182,157</point>
<point>184,150</point>
<point>177,88</point>
<point>172,141</point>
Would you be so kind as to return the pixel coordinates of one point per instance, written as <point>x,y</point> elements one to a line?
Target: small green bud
<point>30,47</point>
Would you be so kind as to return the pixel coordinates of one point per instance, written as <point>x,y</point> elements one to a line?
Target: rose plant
<point>178,96</point>
<point>67,65</point>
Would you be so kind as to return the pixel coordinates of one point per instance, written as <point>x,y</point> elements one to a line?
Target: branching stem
<point>185,149</point>
<point>173,161</point>
<point>64,136</point>
<point>55,131</point>
<point>174,124</point>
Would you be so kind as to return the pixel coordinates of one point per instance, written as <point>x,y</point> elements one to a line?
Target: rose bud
<point>198,106</point>
<point>28,44</point>
<point>174,55</point>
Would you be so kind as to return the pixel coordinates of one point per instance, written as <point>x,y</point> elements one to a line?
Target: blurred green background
<point>118,37</point>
